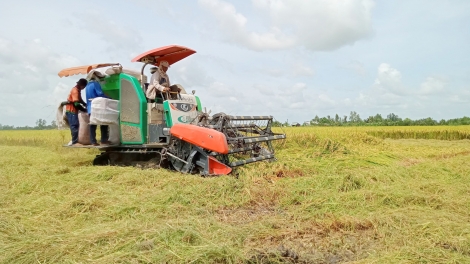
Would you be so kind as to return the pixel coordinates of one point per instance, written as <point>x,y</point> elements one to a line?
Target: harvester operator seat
<point>183,91</point>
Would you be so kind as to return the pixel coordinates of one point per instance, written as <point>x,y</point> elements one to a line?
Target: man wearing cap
<point>93,90</point>
<point>159,80</point>
<point>74,104</point>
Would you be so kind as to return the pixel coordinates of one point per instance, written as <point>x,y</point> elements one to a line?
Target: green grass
<point>334,195</point>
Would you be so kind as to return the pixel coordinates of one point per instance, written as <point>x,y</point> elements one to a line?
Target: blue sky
<point>292,59</point>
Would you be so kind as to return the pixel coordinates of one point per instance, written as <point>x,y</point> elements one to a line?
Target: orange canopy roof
<point>84,69</point>
<point>172,54</point>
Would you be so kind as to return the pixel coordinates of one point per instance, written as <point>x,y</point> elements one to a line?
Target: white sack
<point>61,118</point>
<point>104,111</point>
<point>114,136</point>
<point>84,129</point>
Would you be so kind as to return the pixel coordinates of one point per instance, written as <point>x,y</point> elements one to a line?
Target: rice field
<point>438,133</point>
<point>335,195</point>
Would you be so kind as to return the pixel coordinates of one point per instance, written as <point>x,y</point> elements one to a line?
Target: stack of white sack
<point>104,111</point>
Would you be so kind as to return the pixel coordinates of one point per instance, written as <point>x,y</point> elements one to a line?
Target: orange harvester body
<point>205,138</point>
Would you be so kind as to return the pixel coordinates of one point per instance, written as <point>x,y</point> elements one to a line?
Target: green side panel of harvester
<point>133,111</point>
<point>111,86</point>
<point>199,106</point>
<point>166,110</point>
<point>132,107</point>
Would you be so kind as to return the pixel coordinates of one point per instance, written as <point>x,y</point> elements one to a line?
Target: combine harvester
<point>173,131</point>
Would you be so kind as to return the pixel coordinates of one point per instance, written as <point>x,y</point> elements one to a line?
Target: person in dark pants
<point>74,104</point>
<point>93,90</point>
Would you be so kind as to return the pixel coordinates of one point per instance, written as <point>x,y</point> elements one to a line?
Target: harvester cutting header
<point>160,123</point>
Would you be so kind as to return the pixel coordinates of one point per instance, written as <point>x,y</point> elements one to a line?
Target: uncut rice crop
<point>441,133</point>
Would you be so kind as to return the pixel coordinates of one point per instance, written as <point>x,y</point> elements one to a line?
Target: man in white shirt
<point>159,82</point>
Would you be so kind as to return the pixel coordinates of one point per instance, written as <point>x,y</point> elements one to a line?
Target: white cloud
<point>325,98</point>
<point>234,24</point>
<point>321,24</point>
<point>297,88</point>
<point>297,105</point>
<point>28,69</point>
<point>299,69</point>
<point>57,95</point>
<point>26,66</point>
<point>433,85</point>
<point>294,69</point>
<point>461,97</point>
<point>315,24</point>
<point>190,73</point>
<point>290,97</point>
<point>220,89</point>
<point>262,99</point>
<point>160,7</point>
<point>297,97</point>
<point>387,91</point>
<point>389,80</point>
<point>426,75</point>
<point>7,54</point>
<point>272,72</point>
<point>263,89</point>
<point>355,66</point>
<point>117,36</point>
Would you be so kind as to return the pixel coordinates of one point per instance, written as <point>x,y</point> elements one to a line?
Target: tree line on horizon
<point>41,124</point>
<point>353,119</point>
<point>391,119</point>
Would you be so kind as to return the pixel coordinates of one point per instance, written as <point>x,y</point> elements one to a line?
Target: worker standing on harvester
<point>159,82</point>
<point>74,104</point>
<point>93,90</point>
